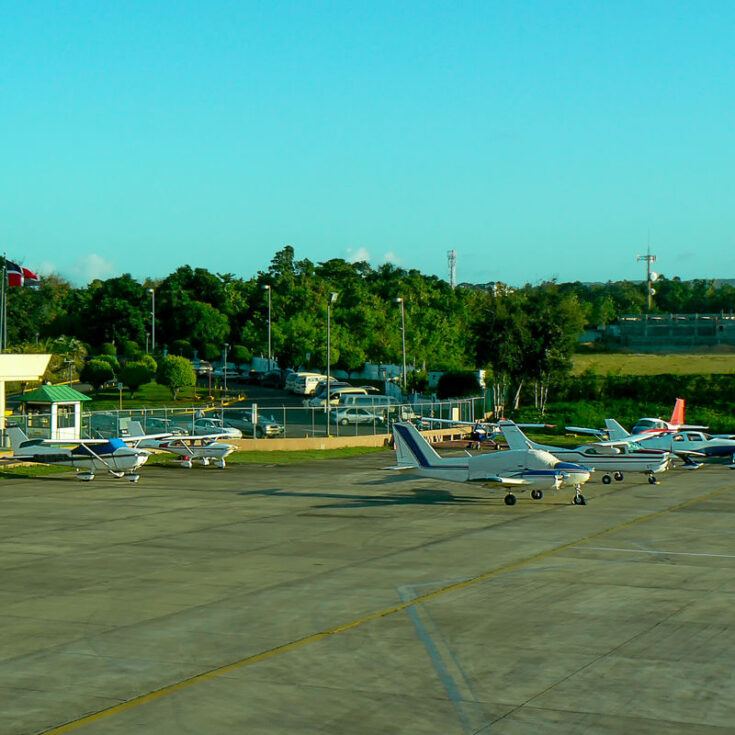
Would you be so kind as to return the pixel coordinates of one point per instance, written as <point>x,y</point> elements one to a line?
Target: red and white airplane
<point>675,423</point>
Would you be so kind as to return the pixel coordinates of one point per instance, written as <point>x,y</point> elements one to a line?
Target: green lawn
<point>149,396</point>
<point>650,364</point>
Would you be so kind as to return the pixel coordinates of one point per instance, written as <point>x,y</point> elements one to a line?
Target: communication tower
<point>651,277</point>
<point>452,260</point>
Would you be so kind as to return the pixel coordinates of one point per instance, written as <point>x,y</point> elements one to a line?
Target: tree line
<point>524,336</point>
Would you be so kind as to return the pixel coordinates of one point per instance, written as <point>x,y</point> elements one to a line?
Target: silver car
<point>266,426</point>
<point>357,415</point>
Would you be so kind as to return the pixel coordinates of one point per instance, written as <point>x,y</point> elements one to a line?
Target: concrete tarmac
<point>333,597</point>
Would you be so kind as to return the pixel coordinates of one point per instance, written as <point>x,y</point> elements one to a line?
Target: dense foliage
<point>523,335</point>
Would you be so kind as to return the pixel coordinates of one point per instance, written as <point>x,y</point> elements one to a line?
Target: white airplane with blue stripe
<point>514,469</point>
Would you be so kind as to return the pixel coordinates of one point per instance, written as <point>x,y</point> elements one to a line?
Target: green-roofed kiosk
<point>58,409</point>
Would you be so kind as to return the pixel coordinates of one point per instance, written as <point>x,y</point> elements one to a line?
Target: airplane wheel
<point>606,479</point>
<point>205,461</point>
<point>510,499</point>
<point>134,478</point>
<point>186,464</point>
<point>652,479</point>
<point>86,478</point>
<point>537,494</point>
<point>221,464</point>
<point>618,476</point>
<point>579,500</point>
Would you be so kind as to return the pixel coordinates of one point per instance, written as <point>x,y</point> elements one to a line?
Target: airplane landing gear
<point>186,463</point>
<point>510,499</point>
<point>652,479</point>
<point>86,477</point>
<point>618,476</point>
<point>220,463</point>
<point>205,461</point>
<point>578,498</point>
<point>537,494</point>
<point>606,479</point>
<point>133,478</point>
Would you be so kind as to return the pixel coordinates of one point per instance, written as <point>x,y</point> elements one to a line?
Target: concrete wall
<point>337,442</point>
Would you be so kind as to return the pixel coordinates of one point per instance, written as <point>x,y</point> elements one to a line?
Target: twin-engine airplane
<point>515,469</point>
<point>686,444</point>
<point>205,449</point>
<point>608,457</point>
<point>87,456</point>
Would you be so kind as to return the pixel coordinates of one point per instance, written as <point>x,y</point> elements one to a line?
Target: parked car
<point>206,426</point>
<point>274,379</point>
<point>266,426</point>
<point>156,425</point>
<point>202,367</point>
<point>357,415</point>
<point>232,373</point>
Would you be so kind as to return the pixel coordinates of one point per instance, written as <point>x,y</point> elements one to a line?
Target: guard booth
<point>54,412</point>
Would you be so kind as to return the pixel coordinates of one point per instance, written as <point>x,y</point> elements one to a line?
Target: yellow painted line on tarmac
<point>286,647</point>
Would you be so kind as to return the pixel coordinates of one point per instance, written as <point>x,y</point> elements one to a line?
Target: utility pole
<point>268,289</point>
<point>400,301</point>
<point>152,292</point>
<point>327,404</point>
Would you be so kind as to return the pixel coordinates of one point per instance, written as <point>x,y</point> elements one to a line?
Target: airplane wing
<point>685,427</point>
<point>75,442</point>
<point>584,430</point>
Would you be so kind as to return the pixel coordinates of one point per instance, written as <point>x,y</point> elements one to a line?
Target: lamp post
<point>268,289</point>
<point>152,292</point>
<point>332,299</point>
<point>224,366</point>
<point>400,301</point>
<point>69,362</point>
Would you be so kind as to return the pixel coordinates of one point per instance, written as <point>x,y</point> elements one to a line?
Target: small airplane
<point>480,431</point>
<point>685,444</point>
<point>675,423</point>
<point>608,457</point>
<point>514,469</point>
<point>87,456</point>
<point>205,448</point>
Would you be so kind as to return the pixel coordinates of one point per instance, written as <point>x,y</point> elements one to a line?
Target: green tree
<point>96,373</point>
<point>135,374</point>
<point>240,354</point>
<point>150,362</point>
<point>111,360</point>
<point>176,373</point>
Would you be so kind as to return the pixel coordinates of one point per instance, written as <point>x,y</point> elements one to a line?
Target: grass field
<point>648,364</point>
<point>148,396</point>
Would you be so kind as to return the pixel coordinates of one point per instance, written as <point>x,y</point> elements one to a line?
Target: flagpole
<point>3,320</point>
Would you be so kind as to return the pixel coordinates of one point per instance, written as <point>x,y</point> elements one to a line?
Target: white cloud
<point>356,256</point>
<point>391,257</point>
<point>88,267</point>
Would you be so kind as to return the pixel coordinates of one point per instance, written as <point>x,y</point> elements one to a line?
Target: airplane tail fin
<point>677,416</point>
<point>412,449</point>
<point>514,436</point>
<point>17,437</point>
<point>615,431</point>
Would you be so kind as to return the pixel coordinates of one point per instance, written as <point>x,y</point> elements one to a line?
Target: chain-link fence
<point>252,420</point>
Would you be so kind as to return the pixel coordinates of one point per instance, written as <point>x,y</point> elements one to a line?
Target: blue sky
<point>538,139</point>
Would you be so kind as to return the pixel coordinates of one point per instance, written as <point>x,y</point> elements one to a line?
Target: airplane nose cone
<point>575,472</point>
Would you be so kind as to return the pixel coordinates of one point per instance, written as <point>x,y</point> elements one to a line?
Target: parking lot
<point>332,597</point>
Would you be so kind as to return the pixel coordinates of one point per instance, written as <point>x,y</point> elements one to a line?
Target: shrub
<point>176,373</point>
<point>182,347</point>
<point>135,374</point>
<point>111,360</point>
<point>108,348</point>
<point>150,362</point>
<point>240,354</point>
<point>96,373</point>
<point>457,384</point>
<point>210,352</point>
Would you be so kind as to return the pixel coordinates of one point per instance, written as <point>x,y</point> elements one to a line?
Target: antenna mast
<point>650,277</point>
<point>452,261</point>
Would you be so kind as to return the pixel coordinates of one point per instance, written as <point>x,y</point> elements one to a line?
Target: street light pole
<point>224,366</point>
<point>152,292</point>
<point>399,300</point>
<point>268,289</point>
<point>332,299</point>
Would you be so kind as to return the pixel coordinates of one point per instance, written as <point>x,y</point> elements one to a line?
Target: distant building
<point>673,331</point>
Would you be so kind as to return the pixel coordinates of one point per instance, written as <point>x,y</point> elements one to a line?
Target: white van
<point>335,396</point>
<point>356,399</point>
<point>306,383</point>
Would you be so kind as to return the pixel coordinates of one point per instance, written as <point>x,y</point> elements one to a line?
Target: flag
<point>15,274</point>
<point>29,277</point>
